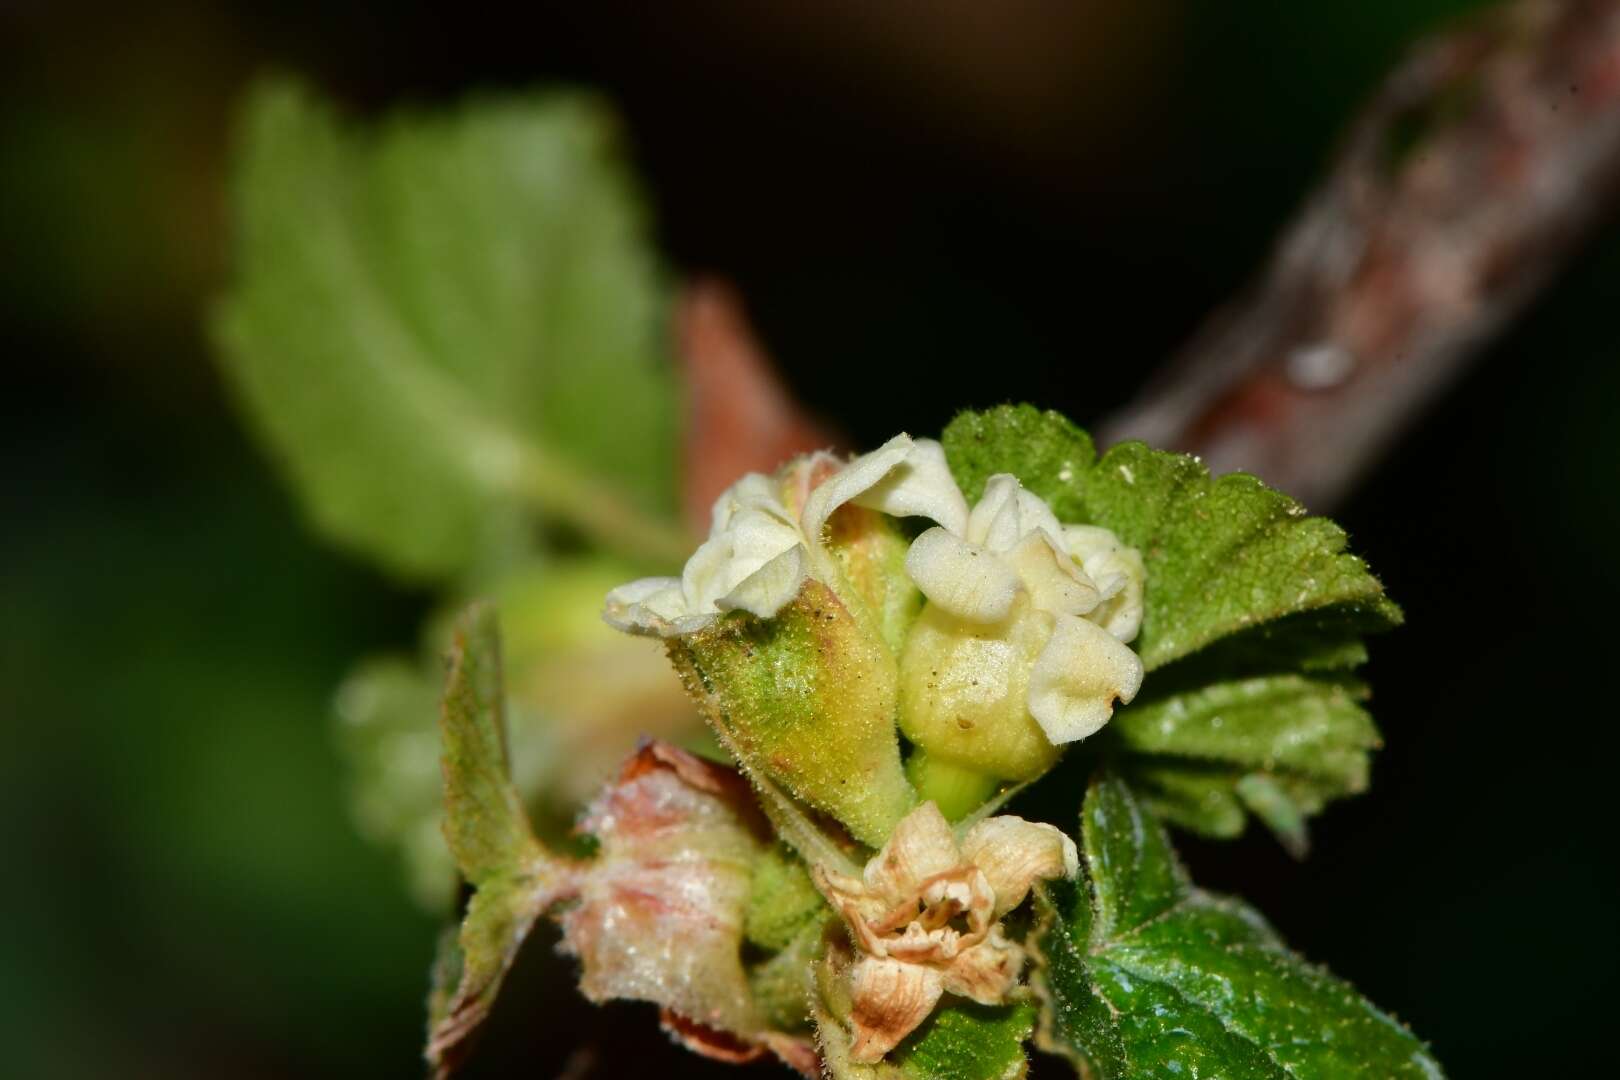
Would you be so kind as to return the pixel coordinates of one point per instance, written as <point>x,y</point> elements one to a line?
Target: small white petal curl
<point>962,578</point>
<point>1055,582</point>
<point>1077,678</point>
<point>770,588</point>
<point>1119,573</point>
<point>921,485</point>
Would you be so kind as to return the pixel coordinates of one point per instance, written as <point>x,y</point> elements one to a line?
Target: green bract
<point>807,699</point>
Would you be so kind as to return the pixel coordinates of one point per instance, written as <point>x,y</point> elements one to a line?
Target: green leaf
<point>1254,612</point>
<point>960,1041</point>
<point>1142,974</point>
<point>782,900</point>
<point>1278,746</point>
<point>1314,727</point>
<point>389,738</point>
<point>965,1041</point>
<point>488,832</point>
<point>485,823</point>
<point>1223,555</point>
<point>450,327</point>
<point>1045,450</point>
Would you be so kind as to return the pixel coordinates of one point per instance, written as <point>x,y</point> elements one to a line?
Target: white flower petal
<point>755,491</point>
<point>1054,581</point>
<point>770,588</point>
<point>1075,681</point>
<point>920,486</point>
<point>965,580</point>
<point>652,606</point>
<point>850,481</point>
<point>752,538</point>
<point>995,515</point>
<point>704,579</point>
<point>1007,513</point>
<point>1119,573</point>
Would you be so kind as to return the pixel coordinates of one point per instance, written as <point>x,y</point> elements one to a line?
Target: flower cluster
<point>815,622</point>
<point>1016,600</point>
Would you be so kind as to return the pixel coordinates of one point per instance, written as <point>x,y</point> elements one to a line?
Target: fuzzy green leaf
<point>489,835</point>
<point>960,1041</point>
<point>485,823</point>
<point>965,1041</point>
<point>1144,975</point>
<point>449,327</point>
<point>1223,555</point>
<point>1262,735</point>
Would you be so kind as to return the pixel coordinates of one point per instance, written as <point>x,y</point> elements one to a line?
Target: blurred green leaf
<point>451,327</point>
<point>1144,975</point>
<point>578,697</point>
<point>488,832</point>
<point>386,712</point>
<point>485,823</point>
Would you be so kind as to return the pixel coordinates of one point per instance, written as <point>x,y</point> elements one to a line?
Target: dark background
<point>926,206</point>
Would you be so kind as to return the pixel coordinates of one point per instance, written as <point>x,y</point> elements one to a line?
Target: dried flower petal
<point>923,916</point>
<point>1014,854</point>
<point>889,1000</point>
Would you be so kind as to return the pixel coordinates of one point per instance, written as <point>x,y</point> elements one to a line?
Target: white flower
<point>759,552</point>
<point>1007,558</point>
<point>977,566</point>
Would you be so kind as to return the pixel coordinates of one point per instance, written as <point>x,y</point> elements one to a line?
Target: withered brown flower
<point>926,916</point>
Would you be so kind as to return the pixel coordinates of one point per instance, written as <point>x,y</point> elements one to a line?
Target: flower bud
<point>785,625</point>
<point>808,697</point>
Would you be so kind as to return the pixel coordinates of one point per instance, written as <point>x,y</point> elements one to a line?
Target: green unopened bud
<point>807,697</point>
<point>1019,649</point>
<point>964,690</point>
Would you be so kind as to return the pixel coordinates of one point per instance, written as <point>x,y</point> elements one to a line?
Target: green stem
<point>599,512</point>
<point>957,790</point>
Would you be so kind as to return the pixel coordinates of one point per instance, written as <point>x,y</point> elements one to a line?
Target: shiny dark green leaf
<point>1142,974</point>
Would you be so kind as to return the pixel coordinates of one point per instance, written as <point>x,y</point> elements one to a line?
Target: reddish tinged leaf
<point>661,910</point>
<point>739,416</point>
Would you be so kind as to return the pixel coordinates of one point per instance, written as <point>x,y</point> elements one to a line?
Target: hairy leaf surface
<point>1143,974</point>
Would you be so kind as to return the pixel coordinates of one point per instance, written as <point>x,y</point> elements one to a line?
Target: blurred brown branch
<point>1472,176</point>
